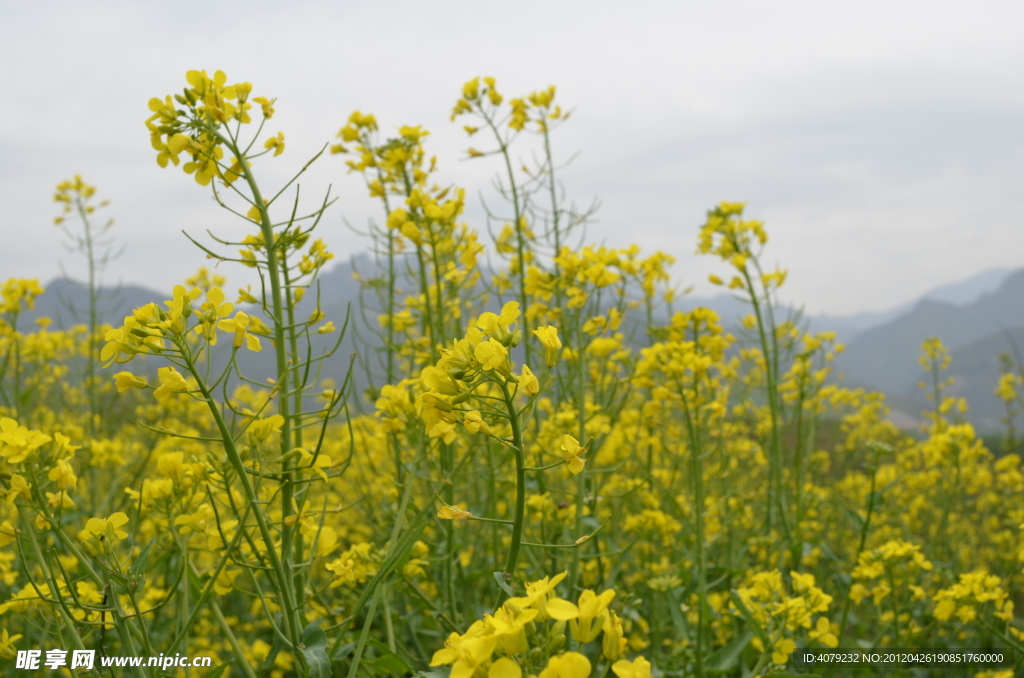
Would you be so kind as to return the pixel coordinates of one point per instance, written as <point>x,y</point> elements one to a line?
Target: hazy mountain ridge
<point>886,357</point>
<point>977,319</point>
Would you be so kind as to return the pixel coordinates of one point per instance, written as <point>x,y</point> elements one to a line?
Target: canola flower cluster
<point>542,471</point>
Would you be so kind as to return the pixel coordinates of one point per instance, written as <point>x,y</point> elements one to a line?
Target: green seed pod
<point>433,401</point>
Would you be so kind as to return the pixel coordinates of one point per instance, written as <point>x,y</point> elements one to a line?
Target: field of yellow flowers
<point>550,472</point>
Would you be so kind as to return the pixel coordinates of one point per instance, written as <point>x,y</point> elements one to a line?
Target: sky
<point>881,143</point>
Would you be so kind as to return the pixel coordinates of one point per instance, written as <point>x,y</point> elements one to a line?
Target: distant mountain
<point>847,327</point>
<point>977,319</point>
<point>886,357</point>
<point>962,292</point>
<point>67,304</point>
<point>976,370</point>
<point>970,289</point>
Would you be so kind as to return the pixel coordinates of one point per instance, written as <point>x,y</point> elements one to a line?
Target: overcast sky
<point>882,143</point>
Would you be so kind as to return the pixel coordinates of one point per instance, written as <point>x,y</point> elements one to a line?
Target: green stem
<point>284,582</point>
<point>771,376</point>
<point>860,549</point>
<point>580,365</point>
<point>520,235</point>
<point>520,509</point>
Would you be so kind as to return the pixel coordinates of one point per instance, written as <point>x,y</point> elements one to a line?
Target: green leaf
<point>678,620</point>
<point>500,578</point>
<point>314,649</point>
<point>855,516</point>
<point>218,672</point>
<point>140,565</point>
<point>389,664</point>
<point>386,652</point>
<point>276,648</point>
<point>727,657</point>
<point>742,607</point>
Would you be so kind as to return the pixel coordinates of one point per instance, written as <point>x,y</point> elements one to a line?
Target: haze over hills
<point>977,319</point>
<point>886,356</point>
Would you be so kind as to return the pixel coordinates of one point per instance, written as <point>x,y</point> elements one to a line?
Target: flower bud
<point>431,400</point>
<point>556,643</point>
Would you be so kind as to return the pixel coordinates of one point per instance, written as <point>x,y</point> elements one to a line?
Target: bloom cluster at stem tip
<point>200,128</point>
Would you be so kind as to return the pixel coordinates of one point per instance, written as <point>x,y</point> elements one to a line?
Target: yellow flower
<point>528,382</point>
<point>19,488</point>
<point>107,526</point>
<point>548,336</point>
<point>267,105</point>
<point>587,618</point>
<point>944,610</point>
<point>538,594</point>
<point>1007,388</point>
<point>783,648</point>
<point>240,326</point>
<point>59,500</point>
<point>7,649</point>
<point>638,668</point>
<point>572,450</point>
<point>453,513</point>
<point>317,464</point>
<point>179,308</point>
<point>226,581</point>
<point>171,381</point>
<point>127,380</point>
<point>613,643</point>
<point>822,632</point>
<point>503,668</point>
<point>471,90</point>
<point>63,475</point>
<point>211,312</point>
<point>7,533</point>
<point>17,443</point>
<point>568,665</point>
<point>260,429</point>
<point>474,422</point>
<point>276,143</point>
<point>491,355</point>
<point>495,325</point>
<point>100,533</point>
